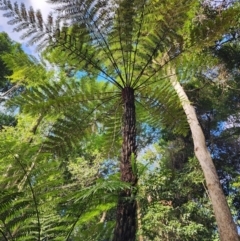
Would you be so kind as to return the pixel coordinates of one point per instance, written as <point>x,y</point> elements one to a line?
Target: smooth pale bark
<point>226,226</point>
<point>126,222</point>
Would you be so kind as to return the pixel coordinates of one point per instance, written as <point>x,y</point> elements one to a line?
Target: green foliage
<point>29,71</point>
<point>36,202</point>
<point>174,204</point>
<point>122,44</point>
<point>7,120</point>
<point>6,46</point>
<point>55,163</point>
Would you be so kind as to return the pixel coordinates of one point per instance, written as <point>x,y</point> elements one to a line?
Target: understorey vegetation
<point>127,128</point>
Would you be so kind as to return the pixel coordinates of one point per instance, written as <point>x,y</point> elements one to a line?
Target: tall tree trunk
<point>226,226</point>
<point>126,223</point>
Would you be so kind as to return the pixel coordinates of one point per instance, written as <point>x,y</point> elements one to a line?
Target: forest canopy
<point>127,125</point>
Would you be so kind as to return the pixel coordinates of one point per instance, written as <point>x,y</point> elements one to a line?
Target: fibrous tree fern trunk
<point>126,209</point>
<point>226,226</point>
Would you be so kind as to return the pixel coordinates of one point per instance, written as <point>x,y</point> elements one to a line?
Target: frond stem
<point>75,223</point>
<point>33,195</point>
<point>111,58</point>
<point>137,40</point>
<point>3,235</point>
<point>111,79</point>
<point>120,40</point>
<point>157,70</point>
<point>145,66</point>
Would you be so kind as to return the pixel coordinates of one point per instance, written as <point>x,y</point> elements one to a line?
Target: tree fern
<point>128,44</point>
<point>38,204</point>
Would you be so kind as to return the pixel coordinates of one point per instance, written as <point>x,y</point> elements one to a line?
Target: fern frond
<point>162,107</point>
<point>28,72</point>
<point>29,21</point>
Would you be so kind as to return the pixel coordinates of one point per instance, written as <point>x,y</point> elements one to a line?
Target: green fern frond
<point>15,213</point>
<point>30,21</point>
<point>28,72</point>
<point>55,97</point>
<point>162,107</point>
